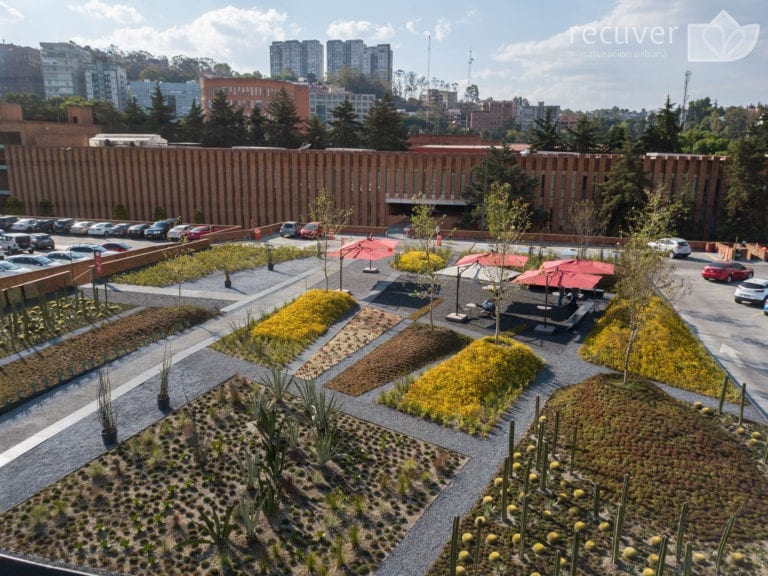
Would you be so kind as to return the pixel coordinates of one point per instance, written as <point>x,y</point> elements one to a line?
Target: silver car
<point>672,247</point>
<point>752,291</point>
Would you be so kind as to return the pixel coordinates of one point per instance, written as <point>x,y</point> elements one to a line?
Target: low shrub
<point>474,387</point>
<point>418,262</point>
<point>665,350</point>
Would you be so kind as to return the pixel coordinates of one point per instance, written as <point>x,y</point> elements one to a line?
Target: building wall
<point>20,70</point>
<point>253,92</point>
<point>63,69</point>
<point>268,186</point>
<point>179,94</point>
<point>76,131</point>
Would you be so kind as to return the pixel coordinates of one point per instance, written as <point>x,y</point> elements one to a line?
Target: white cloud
<point>120,13</point>
<point>360,30</point>
<point>9,14</point>
<point>219,34</point>
<point>440,31</point>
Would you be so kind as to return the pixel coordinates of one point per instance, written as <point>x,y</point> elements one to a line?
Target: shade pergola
<point>554,278</point>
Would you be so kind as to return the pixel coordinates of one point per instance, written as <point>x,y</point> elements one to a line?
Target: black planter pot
<point>227,283</point>
<point>109,437</point>
<point>164,402</point>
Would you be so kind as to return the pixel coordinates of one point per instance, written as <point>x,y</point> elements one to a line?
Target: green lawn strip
<point>28,377</point>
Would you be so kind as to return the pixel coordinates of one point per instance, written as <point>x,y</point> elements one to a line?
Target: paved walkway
<point>58,433</point>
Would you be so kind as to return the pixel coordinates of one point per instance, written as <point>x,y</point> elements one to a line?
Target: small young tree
<point>331,219</point>
<point>645,271</point>
<point>586,222</point>
<point>426,227</point>
<point>508,218</point>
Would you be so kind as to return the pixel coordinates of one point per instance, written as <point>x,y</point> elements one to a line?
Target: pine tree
<point>256,120</point>
<point>218,123</point>
<point>346,127</point>
<point>583,138</point>
<point>624,189</point>
<point>544,134</point>
<point>191,126</point>
<point>384,128</point>
<point>282,125</point>
<point>135,117</point>
<point>315,134</point>
<point>161,115</point>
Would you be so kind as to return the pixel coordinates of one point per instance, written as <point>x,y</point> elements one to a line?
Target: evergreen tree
<point>624,190</point>
<point>191,126</point>
<point>544,134</point>
<point>218,124</point>
<point>617,135</point>
<point>346,127</point>
<point>161,115</point>
<point>282,125</point>
<point>239,129</point>
<point>135,118</point>
<point>315,134</point>
<point>499,167</point>
<point>383,127</point>
<point>744,214</point>
<point>256,121</point>
<point>662,131</point>
<point>583,138</point>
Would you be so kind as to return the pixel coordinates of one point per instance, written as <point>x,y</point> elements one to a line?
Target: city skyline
<point>578,54</point>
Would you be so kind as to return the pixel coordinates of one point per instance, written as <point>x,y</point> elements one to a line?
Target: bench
<point>474,310</point>
<point>583,309</point>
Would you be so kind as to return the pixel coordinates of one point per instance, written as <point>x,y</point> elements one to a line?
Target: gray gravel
<point>197,369</point>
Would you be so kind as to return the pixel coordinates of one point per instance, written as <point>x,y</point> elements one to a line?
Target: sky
<point>580,54</point>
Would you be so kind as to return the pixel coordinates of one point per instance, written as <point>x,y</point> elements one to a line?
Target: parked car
<point>159,230</point>
<point>62,225</point>
<point>727,271</point>
<point>311,231</point>
<point>45,225</point>
<point>176,233</point>
<point>65,256</point>
<point>16,242</point>
<point>101,229</point>
<point>32,261</point>
<point>672,247</point>
<point>137,230</point>
<point>120,230</point>
<point>24,225</point>
<point>289,229</point>
<point>8,268</point>
<point>116,246</point>
<point>7,221</point>
<point>753,291</point>
<point>765,308</point>
<point>40,241</point>
<point>198,232</point>
<point>81,227</point>
<point>89,249</point>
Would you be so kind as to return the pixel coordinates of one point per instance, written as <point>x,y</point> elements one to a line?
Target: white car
<point>24,225</point>
<point>87,250</point>
<point>672,247</point>
<point>752,291</point>
<point>8,268</point>
<point>177,232</point>
<point>65,256</point>
<point>101,229</point>
<point>81,227</point>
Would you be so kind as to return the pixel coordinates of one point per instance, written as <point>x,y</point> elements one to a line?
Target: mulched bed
<point>411,349</point>
<point>28,377</point>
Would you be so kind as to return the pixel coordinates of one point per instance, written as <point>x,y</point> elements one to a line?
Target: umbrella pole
<point>341,262</point>
<point>458,279</point>
<point>546,299</point>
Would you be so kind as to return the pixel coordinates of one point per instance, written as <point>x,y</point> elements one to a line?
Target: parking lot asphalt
<point>59,432</point>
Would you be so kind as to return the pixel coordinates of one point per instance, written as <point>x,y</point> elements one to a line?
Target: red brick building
<point>250,93</point>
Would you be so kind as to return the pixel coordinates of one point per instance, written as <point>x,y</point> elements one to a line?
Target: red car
<point>727,271</point>
<point>197,232</point>
<point>310,231</point>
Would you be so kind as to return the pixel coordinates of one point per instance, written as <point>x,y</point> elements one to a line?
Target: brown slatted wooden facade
<point>244,186</point>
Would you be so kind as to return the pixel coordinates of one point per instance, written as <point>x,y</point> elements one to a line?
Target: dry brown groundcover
<point>411,349</point>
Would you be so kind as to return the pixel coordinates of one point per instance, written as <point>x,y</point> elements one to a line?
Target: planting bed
<point>672,453</point>
<point>141,508</point>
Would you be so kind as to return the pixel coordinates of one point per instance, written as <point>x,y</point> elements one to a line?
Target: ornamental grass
<point>665,350</point>
<point>418,261</point>
<point>474,387</point>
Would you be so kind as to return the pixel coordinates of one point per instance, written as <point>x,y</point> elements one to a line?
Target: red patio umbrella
<point>582,266</point>
<point>365,249</point>
<point>494,259</point>
<point>554,278</point>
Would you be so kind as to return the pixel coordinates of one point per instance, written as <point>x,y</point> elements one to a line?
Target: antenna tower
<point>684,112</point>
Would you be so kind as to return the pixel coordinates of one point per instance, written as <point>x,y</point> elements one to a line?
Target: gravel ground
<point>197,369</point>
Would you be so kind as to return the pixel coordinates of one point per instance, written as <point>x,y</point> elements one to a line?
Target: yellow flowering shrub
<point>305,318</point>
<point>417,261</point>
<point>472,388</point>
<point>665,349</point>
